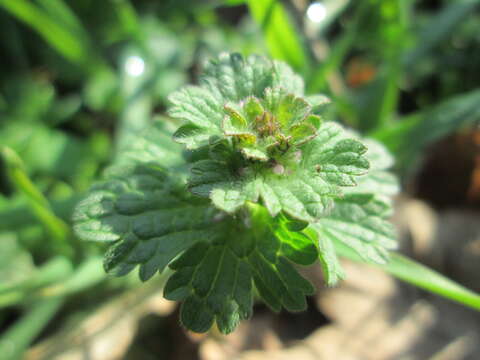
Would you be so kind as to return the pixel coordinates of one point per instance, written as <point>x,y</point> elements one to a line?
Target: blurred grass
<point>409,138</point>
<point>283,40</point>
<point>58,230</point>
<point>58,25</point>
<point>17,338</point>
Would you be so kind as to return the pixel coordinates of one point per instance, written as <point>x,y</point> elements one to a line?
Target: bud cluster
<point>263,128</point>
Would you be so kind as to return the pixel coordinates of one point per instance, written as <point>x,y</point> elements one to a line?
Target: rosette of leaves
<point>256,184</point>
<point>265,140</point>
<point>267,127</point>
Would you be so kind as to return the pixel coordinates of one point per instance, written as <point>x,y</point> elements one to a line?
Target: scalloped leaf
<point>214,279</point>
<point>253,138</point>
<point>140,212</point>
<point>217,260</point>
<point>229,79</point>
<point>150,222</point>
<point>331,268</point>
<point>360,222</point>
<point>360,219</point>
<point>304,188</point>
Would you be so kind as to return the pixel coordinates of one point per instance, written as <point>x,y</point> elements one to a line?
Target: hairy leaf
<point>214,279</point>
<point>271,186</point>
<point>150,222</point>
<point>274,148</point>
<point>221,258</point>
<point>304,184</point>
<point>360,219</point>
<point>142,209</point>
<point>259,127</point>
<point>140,212</point>
<point>228,79</point>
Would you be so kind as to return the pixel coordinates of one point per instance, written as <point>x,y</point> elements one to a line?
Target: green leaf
<point>150,222</point>
<point>360,222</point>
<point>318,102</point>
<point>197,105</point>
<point>261,127</point>
<point>236,77</point>
<point>360,219</point>
<point>192,136</point>
<point>214,279</point>
<point>379,180</point>
<point>227,80</point>
<point>154,144</point>
<point>141,207</point>
<point>303,184</point>
<point>139,212</point>
<point>214,275</point>
<point>332,270</point>
<point>271,185</point>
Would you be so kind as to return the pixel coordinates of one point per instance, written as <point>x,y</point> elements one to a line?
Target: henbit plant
<point>264,184</point>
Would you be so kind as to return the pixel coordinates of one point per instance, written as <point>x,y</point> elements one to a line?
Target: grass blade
<point>16,217</point>
<point>19,336</point>
<point>439,28</point>
<point>39,205</point>
<point>63,33</point>
<point>87,274</point>
<point>283,40</point>
<point>379,107</point>
<point>127,18</point>
<point>234,2</point>
<point>408,137</point>
<point>419,275</point>
<point>55,271</point>
<point>58,10</point>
